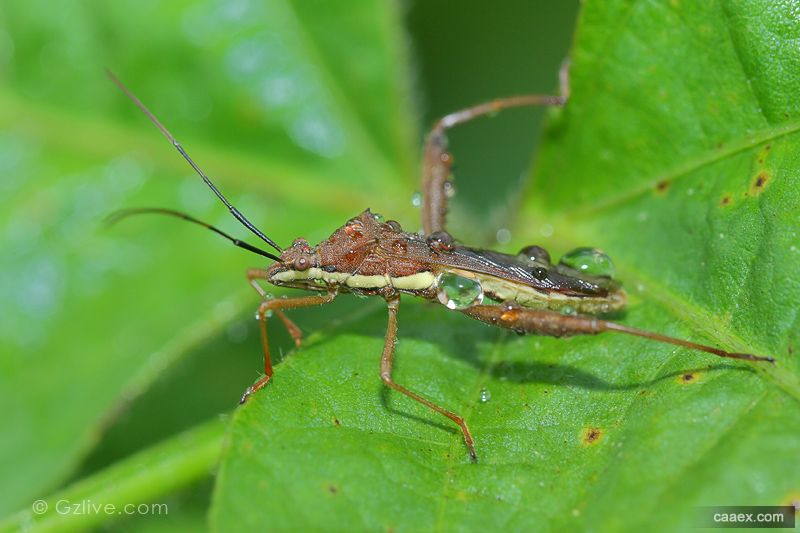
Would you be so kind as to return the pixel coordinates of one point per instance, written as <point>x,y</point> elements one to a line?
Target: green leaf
<point>91,316</point>
<point>677,153</point>
<point>127,487</point>
<point>300,112</point>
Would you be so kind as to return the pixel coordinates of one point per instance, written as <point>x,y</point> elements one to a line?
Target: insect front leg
<point>277,306</point>
<point>253,275</point>
<point>386,376</point>
<point>437,161</point>
<point>552,323</point>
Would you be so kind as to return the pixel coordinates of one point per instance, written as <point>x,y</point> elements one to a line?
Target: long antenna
<point>116,216</point>
<point>235,212</point>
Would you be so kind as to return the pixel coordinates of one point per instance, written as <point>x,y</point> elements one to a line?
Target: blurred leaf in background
<point>678,162</point>
<point>300,137</point>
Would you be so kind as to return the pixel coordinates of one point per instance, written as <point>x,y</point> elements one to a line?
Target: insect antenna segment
<point>116,216</point>
<point>235,212</point>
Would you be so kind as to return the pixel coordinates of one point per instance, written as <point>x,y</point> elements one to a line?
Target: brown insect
<point>525,292</point>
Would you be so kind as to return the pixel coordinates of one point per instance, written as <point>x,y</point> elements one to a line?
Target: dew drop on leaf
<point>485,395</point>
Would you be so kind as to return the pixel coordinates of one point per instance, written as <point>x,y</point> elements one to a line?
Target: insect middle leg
<point>386,376</point>
<point>436,162</point>
<point>277,306</point>
<point>542,322</point>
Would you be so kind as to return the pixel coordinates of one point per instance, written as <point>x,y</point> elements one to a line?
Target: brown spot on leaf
<point>333,489</point>
<point>687,378</point>
<point>591,435</point>
<point>336,422</point>
<point>663,186</point>
<point>726,200</point>
<point>760,182</point>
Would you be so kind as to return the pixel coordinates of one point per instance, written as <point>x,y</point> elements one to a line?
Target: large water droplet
<point>458,292</point>
<point>589,261</point>
<point>485,395</point>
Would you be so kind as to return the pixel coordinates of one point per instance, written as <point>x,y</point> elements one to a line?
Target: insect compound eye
<point>440,240</point>
<point>302,263</point>
<point>354,228</point>
<point>536,254</point>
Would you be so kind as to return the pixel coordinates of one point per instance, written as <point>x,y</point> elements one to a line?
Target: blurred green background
<point>221,76</point>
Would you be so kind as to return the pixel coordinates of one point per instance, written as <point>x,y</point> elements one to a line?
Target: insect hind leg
<point>542,322</point>
<point>437,161</point>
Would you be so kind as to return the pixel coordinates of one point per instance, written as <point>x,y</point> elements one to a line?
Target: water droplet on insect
<point>458,292</point>
<point>569,310</point>
<point>589,261</point>
<point>449,189</point>
<point>416,199</point>
<point>535,254</point>
<point>485,395</point>
<point>378,217</point>
<point>503,236</point>
<point>267,314</point>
